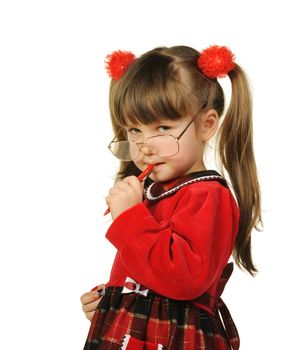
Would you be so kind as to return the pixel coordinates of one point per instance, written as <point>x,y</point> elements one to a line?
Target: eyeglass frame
<point>176,138</point>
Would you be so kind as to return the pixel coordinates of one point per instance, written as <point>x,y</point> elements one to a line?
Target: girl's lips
<point>157,165</point>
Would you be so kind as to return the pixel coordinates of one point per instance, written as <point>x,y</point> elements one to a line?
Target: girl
<point>175,234</point>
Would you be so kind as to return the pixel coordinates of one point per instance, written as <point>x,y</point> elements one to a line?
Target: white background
<point>56,170</point>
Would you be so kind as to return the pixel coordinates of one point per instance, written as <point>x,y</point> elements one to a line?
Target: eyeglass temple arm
<point>192,120</point>
<point>117,134</point>
<point>183,132</point>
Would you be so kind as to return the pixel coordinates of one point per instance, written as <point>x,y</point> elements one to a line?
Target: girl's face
<point>187,160</point>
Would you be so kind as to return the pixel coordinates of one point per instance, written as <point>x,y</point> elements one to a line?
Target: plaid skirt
<point>133,321</point>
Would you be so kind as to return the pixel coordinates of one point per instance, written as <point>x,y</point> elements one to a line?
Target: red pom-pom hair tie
<point>118,62</point>
<point>216,61</point>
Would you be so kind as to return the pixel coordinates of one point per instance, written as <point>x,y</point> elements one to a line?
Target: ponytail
<point>237,157</point>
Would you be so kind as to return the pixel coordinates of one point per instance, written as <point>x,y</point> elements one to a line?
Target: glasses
<point>162,145</point>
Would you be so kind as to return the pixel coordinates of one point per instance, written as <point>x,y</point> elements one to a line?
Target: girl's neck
<point>199,166</point>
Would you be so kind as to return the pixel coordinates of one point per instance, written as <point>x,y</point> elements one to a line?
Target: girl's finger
<point>89,315</point>
<point>133,182</point>
<point>91,306</point>
<point>89,297</point>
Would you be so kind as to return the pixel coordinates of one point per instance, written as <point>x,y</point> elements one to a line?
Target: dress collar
<point>159,190</point>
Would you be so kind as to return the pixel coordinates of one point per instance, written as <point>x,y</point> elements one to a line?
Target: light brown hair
<point>167,83</point>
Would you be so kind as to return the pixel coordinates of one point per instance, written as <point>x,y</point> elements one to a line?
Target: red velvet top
<point>179,239</point>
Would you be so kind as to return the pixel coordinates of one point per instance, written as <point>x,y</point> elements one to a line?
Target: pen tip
<point>107,211</point>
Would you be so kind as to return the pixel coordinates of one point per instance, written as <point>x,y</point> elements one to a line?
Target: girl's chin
<point>161,173</point>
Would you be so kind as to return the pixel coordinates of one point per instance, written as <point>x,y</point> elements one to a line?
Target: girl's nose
<point>146,149</point>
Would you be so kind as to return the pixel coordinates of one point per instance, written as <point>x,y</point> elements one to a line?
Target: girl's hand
<point>124,195</point>
<point>90,301</point>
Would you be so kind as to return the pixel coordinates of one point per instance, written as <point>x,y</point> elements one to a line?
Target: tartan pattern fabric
<point>175,324</point>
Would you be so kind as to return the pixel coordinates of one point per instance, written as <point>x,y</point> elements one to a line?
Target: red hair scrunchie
<point>117,63</point>
<point>216,61</point>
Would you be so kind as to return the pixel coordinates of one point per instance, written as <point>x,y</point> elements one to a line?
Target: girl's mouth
<point>157,165</point>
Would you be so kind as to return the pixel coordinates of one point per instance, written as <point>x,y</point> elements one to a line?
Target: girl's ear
<point>208,124</point>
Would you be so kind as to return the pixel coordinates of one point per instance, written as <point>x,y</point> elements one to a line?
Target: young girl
<point>175,233</point>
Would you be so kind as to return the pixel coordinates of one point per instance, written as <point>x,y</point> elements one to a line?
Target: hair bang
<point>147,101</point>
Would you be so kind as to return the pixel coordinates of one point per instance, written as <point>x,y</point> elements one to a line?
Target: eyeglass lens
<point>162,146</point>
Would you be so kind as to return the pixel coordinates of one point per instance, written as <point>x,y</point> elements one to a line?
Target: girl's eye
<point>163,128</point>
<point>133,131</point>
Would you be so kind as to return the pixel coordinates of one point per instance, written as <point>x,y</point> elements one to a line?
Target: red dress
<point>170,270</point>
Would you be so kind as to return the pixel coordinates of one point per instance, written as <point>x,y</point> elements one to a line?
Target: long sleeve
<point>180,254</point>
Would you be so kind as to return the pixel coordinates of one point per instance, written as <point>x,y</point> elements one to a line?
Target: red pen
<point>140,177</point>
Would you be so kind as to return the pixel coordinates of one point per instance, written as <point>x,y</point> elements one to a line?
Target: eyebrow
<point>155,123</point>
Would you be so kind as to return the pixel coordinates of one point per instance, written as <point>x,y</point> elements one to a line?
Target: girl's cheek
<point>138,164</point>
